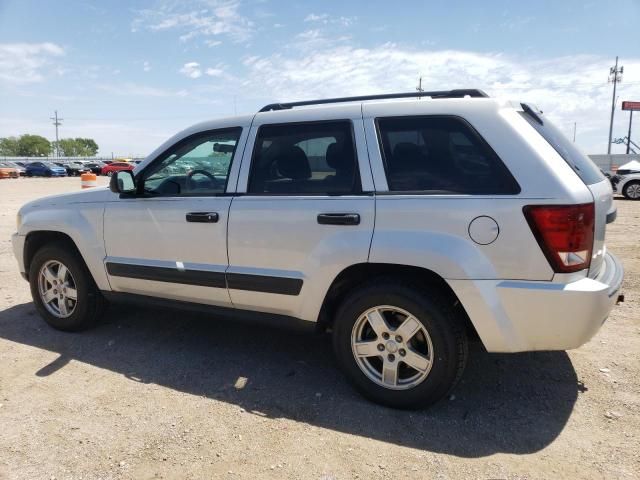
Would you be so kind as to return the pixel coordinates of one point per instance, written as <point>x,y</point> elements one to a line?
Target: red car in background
<point>108,170</point>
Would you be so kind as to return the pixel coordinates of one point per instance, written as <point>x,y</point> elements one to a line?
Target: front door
<point>304,212</point>
<point>169,240</point>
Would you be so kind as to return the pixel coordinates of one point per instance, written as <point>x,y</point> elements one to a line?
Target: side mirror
<point>123,181</point>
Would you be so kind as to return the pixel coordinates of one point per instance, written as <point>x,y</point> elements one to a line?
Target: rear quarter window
<point>588,172</point>
<point>440,155</point>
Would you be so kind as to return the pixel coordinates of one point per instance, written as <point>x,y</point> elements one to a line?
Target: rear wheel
<point>63,290</point>
<point>632,190</point>
<point>400,346</point>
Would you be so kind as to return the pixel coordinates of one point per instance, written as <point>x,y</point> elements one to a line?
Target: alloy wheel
<point>392,348</point>
<point>57,289</point>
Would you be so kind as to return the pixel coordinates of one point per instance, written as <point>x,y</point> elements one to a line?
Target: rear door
<point>304,210</point>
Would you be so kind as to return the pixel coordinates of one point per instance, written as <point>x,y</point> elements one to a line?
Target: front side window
<point>299,159</point>
<point>198,165</point>
<point>440,155</point>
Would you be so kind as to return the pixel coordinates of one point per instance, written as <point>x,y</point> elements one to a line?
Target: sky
<point>132,73</point>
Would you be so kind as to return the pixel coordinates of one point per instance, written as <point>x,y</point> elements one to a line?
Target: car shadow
<point>514,403</point>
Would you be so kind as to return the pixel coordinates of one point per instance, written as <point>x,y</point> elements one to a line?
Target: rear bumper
<point>515,316</point>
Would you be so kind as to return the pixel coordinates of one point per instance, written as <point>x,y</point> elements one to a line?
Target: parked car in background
<point>19,168</point>
<point>116,167</point>
<point>45,169</point>
<point>74,169</point>
<point>7,171</point>
<point>626,181</point>
<point>95,167</point>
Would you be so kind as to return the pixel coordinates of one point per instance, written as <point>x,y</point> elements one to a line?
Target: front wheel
<point>632,191</point>
<point>398,345</point>
<point>63,290</point>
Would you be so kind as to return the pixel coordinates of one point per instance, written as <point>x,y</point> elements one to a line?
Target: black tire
<point>90,303</point>
<point>430,306</point>
<point>625,191</point>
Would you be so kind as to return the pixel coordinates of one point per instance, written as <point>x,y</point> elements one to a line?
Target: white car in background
<point>626,181</point>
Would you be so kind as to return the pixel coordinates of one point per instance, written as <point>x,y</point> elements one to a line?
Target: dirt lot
<point>151,394</point>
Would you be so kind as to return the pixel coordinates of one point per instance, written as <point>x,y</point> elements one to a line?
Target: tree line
<point>37,146</point>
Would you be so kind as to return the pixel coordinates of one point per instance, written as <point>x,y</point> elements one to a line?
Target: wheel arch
<point>35,240</point>
<point>360,273</point>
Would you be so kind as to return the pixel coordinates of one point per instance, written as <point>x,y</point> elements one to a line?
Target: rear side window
<point>588,172</point>
<point>309,158</point>
<point>440,155</point>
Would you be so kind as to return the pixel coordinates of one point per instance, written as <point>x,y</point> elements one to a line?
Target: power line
<point>57,122</point>
<point>615,76</point>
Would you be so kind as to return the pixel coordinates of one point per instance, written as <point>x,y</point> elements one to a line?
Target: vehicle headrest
<point>339,158</point>
<point>407,155</point>
<point>293,163</point>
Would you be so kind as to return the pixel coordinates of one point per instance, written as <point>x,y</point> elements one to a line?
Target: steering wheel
<point>191,185</point>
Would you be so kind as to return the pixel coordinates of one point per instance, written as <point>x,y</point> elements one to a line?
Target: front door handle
<point>203,217</point>
<point>339,219</point>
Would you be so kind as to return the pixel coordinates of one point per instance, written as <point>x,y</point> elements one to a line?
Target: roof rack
<point>460,93</point>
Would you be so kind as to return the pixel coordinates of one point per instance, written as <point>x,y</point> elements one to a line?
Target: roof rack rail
<point>460,93</point>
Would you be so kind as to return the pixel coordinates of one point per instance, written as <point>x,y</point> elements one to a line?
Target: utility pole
<point>57,122</point>
<point>629,134</point>
<point>615,76</point>
<point>419,87</point>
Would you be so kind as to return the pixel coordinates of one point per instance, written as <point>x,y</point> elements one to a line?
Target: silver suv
<point>403,225</point>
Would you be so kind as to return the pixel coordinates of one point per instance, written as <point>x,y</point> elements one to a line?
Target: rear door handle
<point>339,219</point>
<point>202,217</point>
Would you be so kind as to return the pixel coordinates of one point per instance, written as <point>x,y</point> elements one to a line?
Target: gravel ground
<point>159,394</point>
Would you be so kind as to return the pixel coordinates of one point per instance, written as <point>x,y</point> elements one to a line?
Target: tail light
<point>564,233</point>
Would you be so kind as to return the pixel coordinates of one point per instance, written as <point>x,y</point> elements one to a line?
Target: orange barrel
<point>88,180</point>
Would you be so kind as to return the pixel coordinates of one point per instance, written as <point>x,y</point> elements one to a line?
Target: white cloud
<point>214,72</point>
<point>325,18</point>
<point>137,90</point>
<point>146,66</point>
<point>212,43</point>
<point>313,17</point>
<point>568,88</point>
<point>199,18</point>
<point>191,70</point>
<point>28,62</point>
